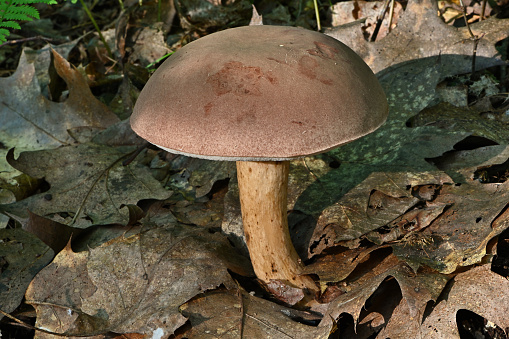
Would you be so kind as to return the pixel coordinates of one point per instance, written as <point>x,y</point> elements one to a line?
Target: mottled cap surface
<point>259,93</point>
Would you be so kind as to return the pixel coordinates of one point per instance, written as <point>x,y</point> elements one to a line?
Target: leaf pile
<point>405,230</point>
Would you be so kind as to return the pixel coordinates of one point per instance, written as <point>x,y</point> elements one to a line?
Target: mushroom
<point>261,96</point>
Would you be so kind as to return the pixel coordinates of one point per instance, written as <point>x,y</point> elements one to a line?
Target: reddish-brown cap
<point>259,93</point>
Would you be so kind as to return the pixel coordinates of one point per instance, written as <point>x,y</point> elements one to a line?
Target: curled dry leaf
<point>375,202</point>
<point>358,291</point>
<point>52,233</point>
<point>131,285</point>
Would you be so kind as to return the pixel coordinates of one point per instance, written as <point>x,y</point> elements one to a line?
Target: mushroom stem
<point>263,198</point>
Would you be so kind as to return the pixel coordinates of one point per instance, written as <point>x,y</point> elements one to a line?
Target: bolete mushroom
<point>261,96</point>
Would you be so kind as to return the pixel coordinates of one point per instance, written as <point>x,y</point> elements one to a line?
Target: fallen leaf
<point>458,236</point>
<point>479,290</point>
<point>421,33</point>
<point>130,285</point>
<point>32,122</point>
<point>52,233</point>
<point>88,184</point>
<point>227,314</point>
<point>378,200</point>
<point>359,290</point>
<point>335,267</point>
<point>417,289</point>
<point>22,255</point>
<point>151,44</point>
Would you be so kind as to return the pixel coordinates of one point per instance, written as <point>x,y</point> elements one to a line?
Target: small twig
<point>473,37</point>
<point>483,8</point>
<point>23,40</point>
<point>242,314</point>
<point>101,36</point>
<point>30,326</point>
<point>379,20</point>
<point>464,9</point>
<point>391,15</point>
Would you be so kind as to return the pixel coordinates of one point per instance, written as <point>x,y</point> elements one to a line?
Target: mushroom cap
<point>259,93</point>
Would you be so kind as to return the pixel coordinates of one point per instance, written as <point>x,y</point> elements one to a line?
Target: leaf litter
<point>131,285</point>
<point>30,121</point>
<point>383,218</point>
<point>89,184</point>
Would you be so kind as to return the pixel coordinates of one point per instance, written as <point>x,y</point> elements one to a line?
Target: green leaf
<point>18,10</point>
<point>21,13</point>
<point>10,24</point>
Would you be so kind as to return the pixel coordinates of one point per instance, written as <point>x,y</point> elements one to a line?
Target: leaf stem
<point>101,36</point>
<point>317,14</point>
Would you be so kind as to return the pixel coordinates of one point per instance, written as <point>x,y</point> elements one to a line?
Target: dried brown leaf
<point>459,235</point>
<point>379,199</point>
<point>52,233</point>
<point>417,289</point>
<point>479,290</point>
<point>88,182</point>
<point>22,255</point>
<point>31,122</point>
<point>337,266</point>
<point>421,33</point>
<point>241,315</point>
<point>130,285</point>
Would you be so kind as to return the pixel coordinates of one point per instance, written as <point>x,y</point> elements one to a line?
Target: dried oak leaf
<point>31,122</point>
<point>130,285</point>
<point>52,233</point>
<point>237,314</point>
<point>379,199</point>
<point>422,33</point>
<point>398,326</point>
<point>22,255</point>
<point>417,289</point>
<point>335,267</point>
<point>394,148</point>
<point>447,116</point>
<point>88,183</point>
<point>478,290</point>
<point>475,214</point>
